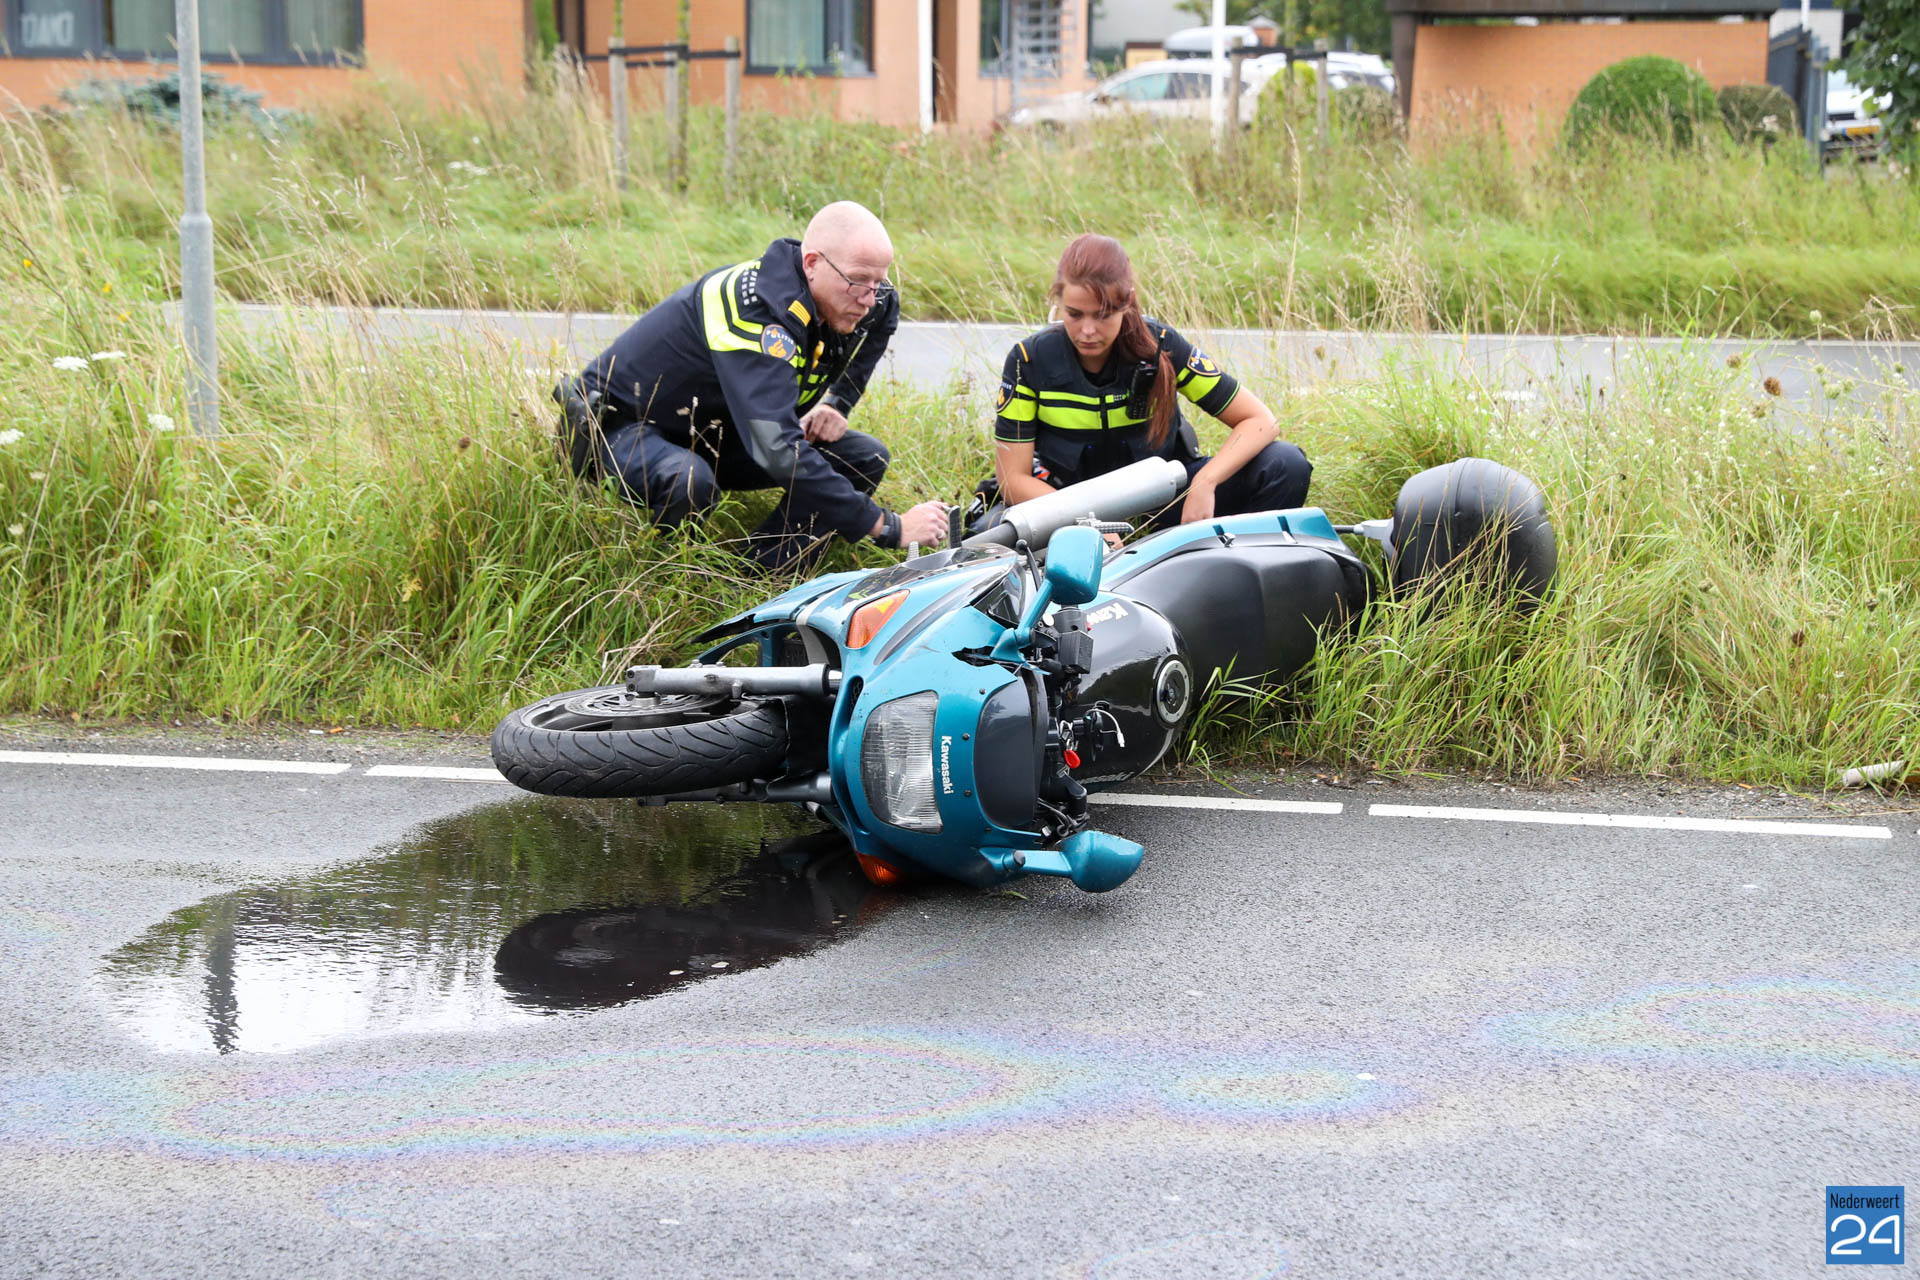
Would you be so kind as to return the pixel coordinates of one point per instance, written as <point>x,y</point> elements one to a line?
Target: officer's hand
<point>823,425</point>
<point>1199,504</point>
<point>926,524</point>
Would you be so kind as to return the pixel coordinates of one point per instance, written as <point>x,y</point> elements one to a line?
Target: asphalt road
<point>1304,1045</point>
<point>1812,377</point>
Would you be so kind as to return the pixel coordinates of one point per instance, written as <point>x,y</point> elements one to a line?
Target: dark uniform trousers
<point>1274,479</point>
<point>675,482</point>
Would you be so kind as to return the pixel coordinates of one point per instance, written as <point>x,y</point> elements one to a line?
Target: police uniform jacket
<point>1084,425</point>
<point>738,356</point>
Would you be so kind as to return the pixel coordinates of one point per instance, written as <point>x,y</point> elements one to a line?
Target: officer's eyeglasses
<point>873,292</point>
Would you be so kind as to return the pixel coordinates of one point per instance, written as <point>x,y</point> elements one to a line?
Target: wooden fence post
<point>617,94</point>
<point>676,156</point>
<point>1234,60</point>
<point>1325,93</point>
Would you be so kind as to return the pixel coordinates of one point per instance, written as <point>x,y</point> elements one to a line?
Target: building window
<point>826,37</point>
<point>1023,36</point>
<point>269,31</point>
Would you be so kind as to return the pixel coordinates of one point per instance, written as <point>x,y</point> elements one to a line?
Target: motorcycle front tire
<point>607,742</point>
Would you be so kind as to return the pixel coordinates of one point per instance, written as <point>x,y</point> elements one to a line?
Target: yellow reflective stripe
<point>1070,419</point>
<point>1069,398</point>
<point>1019,408</point>
<point>726,331</point>
<point>1197,387</point>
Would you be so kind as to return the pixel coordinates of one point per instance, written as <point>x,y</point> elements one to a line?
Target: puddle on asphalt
<point>496,915</point>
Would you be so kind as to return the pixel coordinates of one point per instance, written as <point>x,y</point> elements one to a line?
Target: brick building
<point>903,62</point>
<point>293,51</point>
<point>1523,61</point>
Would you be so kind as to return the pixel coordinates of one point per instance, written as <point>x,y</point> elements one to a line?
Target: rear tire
<point>609,742</point>
<point>1474,515</point>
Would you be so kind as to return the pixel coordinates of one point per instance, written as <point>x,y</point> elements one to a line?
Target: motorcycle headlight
<point>896,762</point>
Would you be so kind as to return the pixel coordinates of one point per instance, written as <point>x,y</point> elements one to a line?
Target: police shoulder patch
<point>1202,364</point>
<point>1006,394</point>
<point>776,342</point>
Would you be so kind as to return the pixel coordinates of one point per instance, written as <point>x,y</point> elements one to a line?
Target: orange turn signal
<point>870,618</point>
<point>882,874</point>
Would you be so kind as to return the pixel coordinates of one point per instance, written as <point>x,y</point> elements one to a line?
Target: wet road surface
<point>1292,1045</point>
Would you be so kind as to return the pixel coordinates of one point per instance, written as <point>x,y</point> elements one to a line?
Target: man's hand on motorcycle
<point>925,524</point>
<point>823,425</point>
<point>1199,503</point>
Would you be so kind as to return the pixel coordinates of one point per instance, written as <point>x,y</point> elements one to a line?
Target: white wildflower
<point>1815,316</point>
<point>108,355</point>
<point>70,364</point>
<point>36,476</point>
<point>160,422</point>
<point>11,435</point>
<point>15,530</point>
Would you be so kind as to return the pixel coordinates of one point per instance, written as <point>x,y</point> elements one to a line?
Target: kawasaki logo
<point>946,764</point>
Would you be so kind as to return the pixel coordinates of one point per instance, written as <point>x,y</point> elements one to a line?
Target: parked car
<point>1853,118</point>
<point>1197,42</point>
<point>1168,88</point>
<point>1343,69</point>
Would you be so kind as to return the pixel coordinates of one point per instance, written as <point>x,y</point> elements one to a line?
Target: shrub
<point>1647,97</point>
<point>157,98</point>
<point>1760,113</point>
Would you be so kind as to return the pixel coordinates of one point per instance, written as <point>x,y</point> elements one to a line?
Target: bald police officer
<point>744,379</point>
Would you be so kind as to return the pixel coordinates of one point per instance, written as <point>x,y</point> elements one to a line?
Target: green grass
<point>395,544</point>
<point>508,201</point>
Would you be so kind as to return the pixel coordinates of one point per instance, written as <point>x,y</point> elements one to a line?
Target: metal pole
<point>617,93</point>
<point>733,115</point>
<point>1219,54</point>
<point>196,237</point>
<point>925,21</point>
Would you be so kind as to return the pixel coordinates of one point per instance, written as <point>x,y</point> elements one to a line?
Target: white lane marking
<point>1215,802</point>
<point>216,763</point>
<point>445,772</point>
<point>1650,821</point>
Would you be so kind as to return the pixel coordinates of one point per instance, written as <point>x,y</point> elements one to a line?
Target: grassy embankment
<point>393,543</point>
<point>503,200</point>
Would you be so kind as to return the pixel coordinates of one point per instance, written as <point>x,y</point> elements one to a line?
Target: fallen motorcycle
<point>951,713</point>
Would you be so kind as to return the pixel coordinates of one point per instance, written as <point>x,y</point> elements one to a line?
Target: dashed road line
<point>219,764</point>
<point>1215,802</point>
<point>1653,822</point>
<point>447,773</point>
<point>1549,817</point>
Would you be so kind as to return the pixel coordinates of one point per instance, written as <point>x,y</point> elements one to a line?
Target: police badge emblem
<point>1202,365</point>
<point>1006,394</point>
<point>775,341</point>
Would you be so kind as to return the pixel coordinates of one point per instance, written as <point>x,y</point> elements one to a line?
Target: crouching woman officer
<point>1098,391</point>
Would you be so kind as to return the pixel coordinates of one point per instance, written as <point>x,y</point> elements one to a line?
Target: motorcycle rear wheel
<point>608,742</point>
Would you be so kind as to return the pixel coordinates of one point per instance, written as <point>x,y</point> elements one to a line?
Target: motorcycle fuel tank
<point>1143,678</point>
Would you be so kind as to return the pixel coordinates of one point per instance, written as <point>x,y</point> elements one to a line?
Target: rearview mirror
<point>1074,557</point>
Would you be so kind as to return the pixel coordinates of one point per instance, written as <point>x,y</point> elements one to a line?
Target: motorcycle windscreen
<point>1010,745</point>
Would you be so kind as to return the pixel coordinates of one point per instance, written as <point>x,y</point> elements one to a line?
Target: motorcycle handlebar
<point>1132,490</point>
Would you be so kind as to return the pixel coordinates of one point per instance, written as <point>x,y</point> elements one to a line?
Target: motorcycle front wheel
<point>610,742</point>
